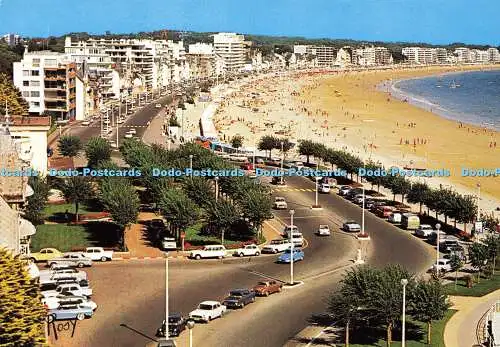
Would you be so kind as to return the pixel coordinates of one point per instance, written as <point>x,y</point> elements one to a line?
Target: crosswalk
<point>292,190</point>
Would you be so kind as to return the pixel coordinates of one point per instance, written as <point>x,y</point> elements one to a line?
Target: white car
<point>54,302</point>
<point>443,265</point>
<point>132,131</point>
<point>276,246</point>
<point>288,228</point>
<point>128,135</point>
<point>209,251</point>
<point>425,230</point>
<point>344,190</point>
<point>324,230</point>
<point>324,188</point>
<point>120,121</point>
<point>158,106</point>
<point>70,259</point>
<point>208,310</point>
<point>98,254</point>
<point>86,123</point>
<point>351,226</point>
<point>50,276</point>
<point>73,288</point>
<point>297,239</point>
<point>247,250</point>
<point>358,199</point>
<point>280,203</point>
<point>299,165</point>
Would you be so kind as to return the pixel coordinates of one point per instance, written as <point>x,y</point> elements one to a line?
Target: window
<point>35,83</point>
<point>35,73</point>
<point>36,62</point>
<point>50,62</point>
<point>26,83</point>
<point>36,104</point>
<point>35,94</point>
<point>26,94</point>
<point>26,72</point>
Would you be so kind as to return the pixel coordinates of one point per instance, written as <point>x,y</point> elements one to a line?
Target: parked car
<point>395,217</point>
<point>98,253</point>
<point>358,199</point>
<point>238,298</point>
<point>208,310</point>
<point>344,190</point>
<point>424,230</point>
<point>353,193</point>
<point>55,277</point>
<point>410,221</point>
<point>443,265</point>
<point>128,135</point>
<point>209,251</point>
<point>432,238</point>
<point>369,203</point>
<point>71,259</point>
<point>384,211</point>
<point>299,165</point>
<point>158,106</point>
<point>324,230</point>
<point>278,180</point>
<point>247,166</point>
<point>176,325</point>
<point>85,123</point>
<point>288,228</point>
<point>280,203</point>
<point>351,226</point>
<point>286,257</point>
<point>73,288</point>
<point>132,131</point>
<point>66,312</point>
<point>66,298</point>
<point>168,244</point>
<point>276,246</point>
<point>45,254</point>
<point>266,288</point>
<point>324,188</point>
<point>247,250</point>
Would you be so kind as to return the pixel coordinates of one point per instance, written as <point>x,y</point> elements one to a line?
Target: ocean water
<point>469,97</point>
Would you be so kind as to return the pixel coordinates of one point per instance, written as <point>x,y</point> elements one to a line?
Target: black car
<point>369,204</point>
<point>176,324</point>
<point>238,298</point>
<point>353,192</point>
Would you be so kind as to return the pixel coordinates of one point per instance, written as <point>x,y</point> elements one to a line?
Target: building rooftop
<point>27,121</point>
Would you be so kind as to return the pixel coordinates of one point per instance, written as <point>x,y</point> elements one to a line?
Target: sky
<point>431,21</point>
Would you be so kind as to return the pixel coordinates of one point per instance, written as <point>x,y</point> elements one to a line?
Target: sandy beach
<point>346,110</point>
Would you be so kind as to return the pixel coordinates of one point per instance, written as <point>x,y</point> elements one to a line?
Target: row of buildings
<point>76,83</point>
<point>462,55</point>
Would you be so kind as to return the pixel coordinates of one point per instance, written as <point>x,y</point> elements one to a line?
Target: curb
<point>148,258</point>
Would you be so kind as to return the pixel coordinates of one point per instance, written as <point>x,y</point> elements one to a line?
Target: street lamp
<point>438,226</point>
<point>166,296</point>
<point>190,326</point>
<point>292,212</point>
<point>282,158</point>
<point>478,199</point>
<point>216,188</point>
<point>191,164</point>
<point>404,282</point>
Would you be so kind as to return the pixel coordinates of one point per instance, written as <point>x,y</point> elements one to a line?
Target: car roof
<point>323,226</point>
<point>209,302</point>
<point>350,222</point>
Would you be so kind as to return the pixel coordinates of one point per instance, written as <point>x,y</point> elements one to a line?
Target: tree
<point>77,190</point>
<point>121,200</point>
<point>36,202</point>
<point>237,141</point>
<point>97,151</point>
<point>69,146</point>
<point>466,210</point>
<point>199,189</point>
<point>222,215</point>
<point>428,303</point>
<point>267,143</point>
<point>256,207</point>
<point>178,209</point>
<point>385,296</point>
<point>399,185</point>
<point>456,264</point>
<point>345,312</point>
<point>9,95</point>
<point>22,315</point>
<point>418,194</point>
<point>478,255</point>
<point>307,148</point>
<point>492,243</point>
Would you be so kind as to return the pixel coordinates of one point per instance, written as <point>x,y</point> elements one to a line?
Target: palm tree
<point>69,146</point>
<point>97,151</point>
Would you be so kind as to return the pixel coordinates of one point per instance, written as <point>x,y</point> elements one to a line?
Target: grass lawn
<point>52,209</point>
<point>193,237</point>
<point>412,340</point>
<point>60,236</point>
<point>484,287</point>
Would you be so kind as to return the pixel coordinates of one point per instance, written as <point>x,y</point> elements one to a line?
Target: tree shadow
<point>150,235</point>
<point>104,234</point>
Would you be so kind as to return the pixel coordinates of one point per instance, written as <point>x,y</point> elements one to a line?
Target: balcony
<point>55,98</point>
<point>55,78</point>
<point>55,87</point>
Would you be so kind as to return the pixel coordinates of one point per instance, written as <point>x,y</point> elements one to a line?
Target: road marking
<point>265,276</point>
<point>275,230</point>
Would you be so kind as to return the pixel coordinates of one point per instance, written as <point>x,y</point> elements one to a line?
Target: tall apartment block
<point>324,55</point>
<point>48,83</point>
<point>11,39</point>
<point>231,48</point>
<point>425,55</point>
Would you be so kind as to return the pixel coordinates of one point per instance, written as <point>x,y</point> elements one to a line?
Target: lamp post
<point>438,226</point>
<point>282,158</point>
<point>478,199</point>
<point>190,326</point>
<point>216,188</point>
<point>191,164</point>
<point>166,296</point>
<point>404,282</point>
<point>292,212</point>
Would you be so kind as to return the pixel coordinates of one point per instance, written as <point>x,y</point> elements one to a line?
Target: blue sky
<point>433,21</point>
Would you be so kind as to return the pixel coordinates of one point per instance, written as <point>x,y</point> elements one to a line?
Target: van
<point>410,222</point>
<point>395,218</point>
<point>324,188</point>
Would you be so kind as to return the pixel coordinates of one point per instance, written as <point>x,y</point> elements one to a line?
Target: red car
<point>247,166</point>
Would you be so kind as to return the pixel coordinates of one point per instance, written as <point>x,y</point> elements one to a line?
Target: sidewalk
<point>460,331</point>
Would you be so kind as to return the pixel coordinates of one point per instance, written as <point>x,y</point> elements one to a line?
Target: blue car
<point>67,312</point>
<point>298,254</point>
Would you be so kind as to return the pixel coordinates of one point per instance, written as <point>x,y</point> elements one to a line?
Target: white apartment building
<point>466,55</point>
<point>48,83</point>
<point>493,55</point>
<point>325,55</point>
<point>371,56</point>
<point>231,48</point>
<point>425,55</point>
<point>11,39</point>
<point>344,56</point>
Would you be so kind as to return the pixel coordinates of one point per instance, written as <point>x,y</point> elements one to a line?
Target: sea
<point>468,97</point>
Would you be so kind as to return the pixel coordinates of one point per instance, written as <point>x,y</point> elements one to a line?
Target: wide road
<point>132,300</point>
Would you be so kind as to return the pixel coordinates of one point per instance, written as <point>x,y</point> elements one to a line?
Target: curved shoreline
<point>427,105</point>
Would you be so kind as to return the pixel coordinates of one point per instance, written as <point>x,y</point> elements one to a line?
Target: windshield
<point>235,293</point>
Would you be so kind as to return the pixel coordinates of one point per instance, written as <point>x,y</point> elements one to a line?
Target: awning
<point>26,228</point>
